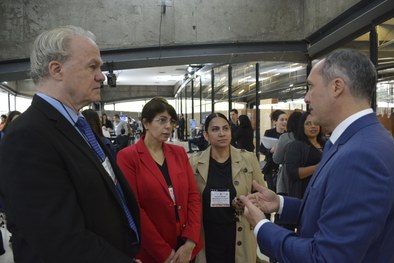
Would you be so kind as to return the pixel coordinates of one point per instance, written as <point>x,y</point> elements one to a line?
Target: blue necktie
<point>87,131</point>
<point>84,127</point>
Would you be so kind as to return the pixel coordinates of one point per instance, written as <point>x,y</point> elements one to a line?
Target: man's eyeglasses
<point>164,121</point>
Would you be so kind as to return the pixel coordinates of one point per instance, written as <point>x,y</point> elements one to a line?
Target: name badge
<point>171,190</point>
<point>220,198</point>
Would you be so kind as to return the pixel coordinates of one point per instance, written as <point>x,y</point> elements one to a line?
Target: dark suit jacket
<point>61,204</point>
<point>347,214</point>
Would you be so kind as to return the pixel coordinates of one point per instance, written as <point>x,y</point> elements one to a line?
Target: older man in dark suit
<point>65,198</point>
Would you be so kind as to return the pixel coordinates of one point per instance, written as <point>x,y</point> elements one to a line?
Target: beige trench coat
<point>245,169</point>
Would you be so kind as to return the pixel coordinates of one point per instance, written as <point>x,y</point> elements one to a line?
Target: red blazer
<point>158,221</point>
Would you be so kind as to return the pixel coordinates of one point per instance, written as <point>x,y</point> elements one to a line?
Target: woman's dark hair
<point>292,122</point>
<point>301,132</point>
<point>211,116</point>
<point>93,119</point>
<point>10,118</point>
<point>155,106</point>
<point>275,114</point>
<point>244,121</point>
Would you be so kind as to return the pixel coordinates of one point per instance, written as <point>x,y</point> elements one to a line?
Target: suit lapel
<point>71,134</point>
<point>360,123</point>
<point>150,164</point>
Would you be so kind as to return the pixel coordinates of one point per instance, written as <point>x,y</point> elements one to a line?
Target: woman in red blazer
<point>164,184</point>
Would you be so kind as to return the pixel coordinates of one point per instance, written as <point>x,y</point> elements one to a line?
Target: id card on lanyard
<point>171,191</point>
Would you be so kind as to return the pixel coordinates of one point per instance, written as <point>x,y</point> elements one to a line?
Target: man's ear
<point>55,69</point>
<point>339,86</point>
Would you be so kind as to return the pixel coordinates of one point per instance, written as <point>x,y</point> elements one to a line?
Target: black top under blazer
<point>61,204</point>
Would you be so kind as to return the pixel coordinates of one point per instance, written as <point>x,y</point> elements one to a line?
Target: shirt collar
<point>337,132</point>
<point>66,111</point>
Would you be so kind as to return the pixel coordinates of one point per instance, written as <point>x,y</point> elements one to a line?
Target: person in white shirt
<point>119,125</point>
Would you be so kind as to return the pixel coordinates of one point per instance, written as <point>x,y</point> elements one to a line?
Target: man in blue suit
<point>347,213</point>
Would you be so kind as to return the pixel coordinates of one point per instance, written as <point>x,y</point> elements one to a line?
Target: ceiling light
<point>242,91</point>
<point>245,78</point>
<point>268,71</point>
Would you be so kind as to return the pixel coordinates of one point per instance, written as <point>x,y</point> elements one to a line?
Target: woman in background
<point>243,135</point>
<point>12,115</point>
<point>93,119</point>
<point>161,177</point>
<point>223,173</point>
<point>107,123</point>
<point>279,155</point>
<point>303,155</point>
<point>279,120</point>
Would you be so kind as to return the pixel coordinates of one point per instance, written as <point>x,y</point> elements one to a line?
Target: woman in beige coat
<point>223,173</point>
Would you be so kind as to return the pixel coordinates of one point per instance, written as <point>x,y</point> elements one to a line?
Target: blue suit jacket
<point>347,214</point>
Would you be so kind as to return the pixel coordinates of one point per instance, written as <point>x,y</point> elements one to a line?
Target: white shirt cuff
<point>281,203</point>
<point>259,224</point>
<point>263,221</point>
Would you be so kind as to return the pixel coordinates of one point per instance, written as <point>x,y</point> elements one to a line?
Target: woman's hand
<point>237,203</point>
<point>170,258</point>
<point>184,253</point>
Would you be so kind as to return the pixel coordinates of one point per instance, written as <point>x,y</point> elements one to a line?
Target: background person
<point>3,119</point>
<point>279,120</point>
<point>161,176</point>
<point>181,128</point>
<point>93,119</point>
<point>12,115</point>
<point>106,122</point>
<point>347,213</point>
<point>119,125</point>
<point>61,203</point>
<point>224,171</point>
<point>234,125</point>
<point>281,148</point>
<point>243,135</point>
<point>303,155</point>
<point>122,140</point>
<point>198,140</point>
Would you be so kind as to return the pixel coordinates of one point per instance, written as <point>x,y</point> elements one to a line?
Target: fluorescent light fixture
<point>268,71</point>
<point>245,78</point>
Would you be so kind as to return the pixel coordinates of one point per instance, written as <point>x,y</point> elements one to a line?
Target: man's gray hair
<point>355,68</point>
<point>53,45</point>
